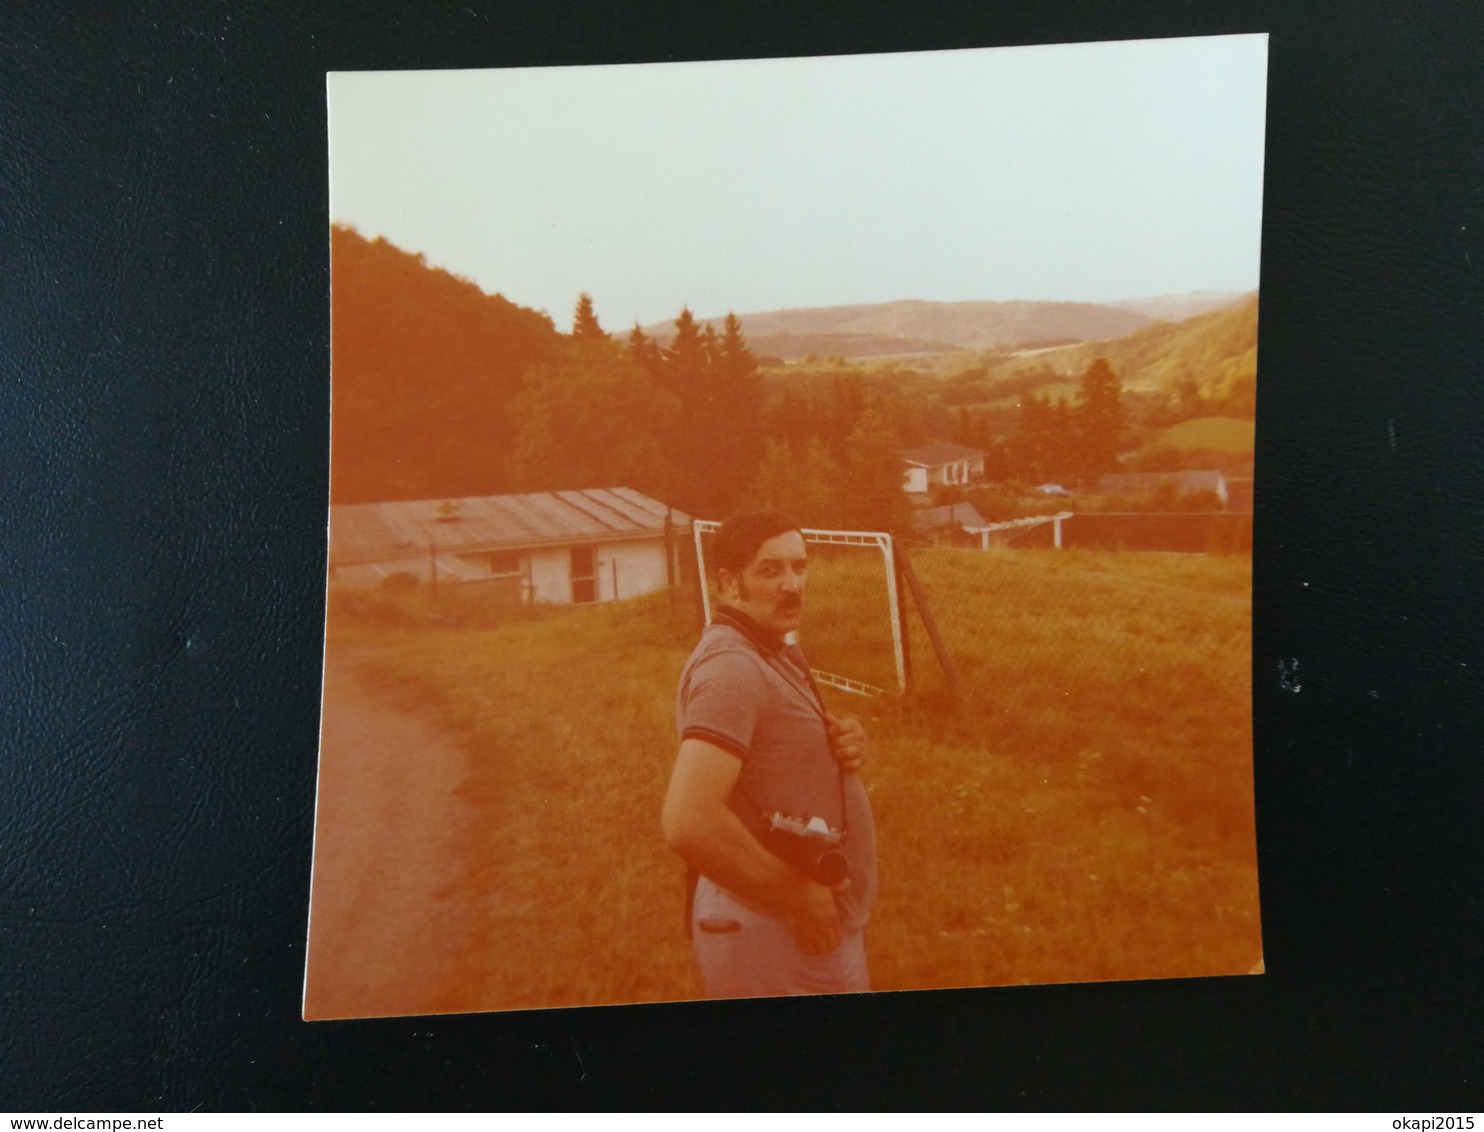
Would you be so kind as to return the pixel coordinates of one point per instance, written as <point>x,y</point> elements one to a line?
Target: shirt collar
<point>772,645</point>
<point>763,640</point>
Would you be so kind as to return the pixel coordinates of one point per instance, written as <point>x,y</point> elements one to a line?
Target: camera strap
<point>792,660</point>
<point>791,665</point>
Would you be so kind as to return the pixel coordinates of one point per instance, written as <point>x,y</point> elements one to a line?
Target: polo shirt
<point>748,693</point>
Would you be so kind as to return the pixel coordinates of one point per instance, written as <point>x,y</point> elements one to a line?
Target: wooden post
<point>670,555</point>
<point>930,625</point>
<point>432,567</point>
<point>1056,531</point>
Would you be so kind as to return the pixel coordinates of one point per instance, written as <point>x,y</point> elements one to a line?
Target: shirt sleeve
<point>721,702</point>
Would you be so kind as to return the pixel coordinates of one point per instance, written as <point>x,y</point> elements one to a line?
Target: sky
<point>1081,172</point>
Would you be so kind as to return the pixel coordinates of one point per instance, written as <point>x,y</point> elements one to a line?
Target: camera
<point>810,845</point>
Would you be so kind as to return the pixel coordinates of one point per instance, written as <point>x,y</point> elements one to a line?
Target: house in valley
<point>555,547</point>
<point>940,463</point>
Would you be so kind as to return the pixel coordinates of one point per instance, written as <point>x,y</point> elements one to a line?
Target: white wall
<point>916,479</point>
<point>639,568</point>
<point>364,574</point>
<point>957,472</point>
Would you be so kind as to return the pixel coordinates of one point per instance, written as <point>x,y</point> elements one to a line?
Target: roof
<point>368,532</point>
<point>1147,481</point>
<point>939,453</point>
<point>953,515</point>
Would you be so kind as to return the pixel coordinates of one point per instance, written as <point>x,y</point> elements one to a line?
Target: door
<point>584,574</point>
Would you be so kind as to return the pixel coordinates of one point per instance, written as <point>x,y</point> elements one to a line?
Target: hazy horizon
<point>1097,173</point>
<point>703,316</point>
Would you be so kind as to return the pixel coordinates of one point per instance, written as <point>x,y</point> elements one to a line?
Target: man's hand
<point>701,827</point>
<point>847,743</point>
<point>814,919</point>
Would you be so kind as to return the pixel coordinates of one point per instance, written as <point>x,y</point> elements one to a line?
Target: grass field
<point>1083,811</point>
<point>1218,434</point>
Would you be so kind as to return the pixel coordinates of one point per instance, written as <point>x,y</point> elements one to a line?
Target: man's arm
<point>701,827</point>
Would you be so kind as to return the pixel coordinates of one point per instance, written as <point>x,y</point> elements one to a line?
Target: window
<point>506,566</point>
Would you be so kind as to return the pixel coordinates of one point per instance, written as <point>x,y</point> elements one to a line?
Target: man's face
<point>770,588</point>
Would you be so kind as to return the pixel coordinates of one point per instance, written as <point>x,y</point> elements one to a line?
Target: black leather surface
<point>163,347</point>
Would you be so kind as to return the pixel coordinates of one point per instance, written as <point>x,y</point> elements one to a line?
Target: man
<point>764,802</point>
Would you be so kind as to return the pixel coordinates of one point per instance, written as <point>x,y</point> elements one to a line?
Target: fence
<point>1198,532</point>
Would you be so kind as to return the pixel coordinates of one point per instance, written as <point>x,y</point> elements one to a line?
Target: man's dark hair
<point>738,539</point>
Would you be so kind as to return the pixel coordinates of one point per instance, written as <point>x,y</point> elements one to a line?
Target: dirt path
<point>388,920</point>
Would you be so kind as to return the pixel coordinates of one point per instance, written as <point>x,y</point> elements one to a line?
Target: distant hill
<point>1214,349</point>
<point>919,326</point>
<point>795,346</point>
<point>1177,308</point>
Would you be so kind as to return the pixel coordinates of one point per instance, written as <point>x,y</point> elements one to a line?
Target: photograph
<point>790,527</point>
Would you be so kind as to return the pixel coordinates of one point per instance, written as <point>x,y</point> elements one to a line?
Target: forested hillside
<point>1215,351</point>
<point>425,368</point>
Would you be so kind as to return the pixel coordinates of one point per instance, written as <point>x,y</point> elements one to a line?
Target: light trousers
<point>744,953</point>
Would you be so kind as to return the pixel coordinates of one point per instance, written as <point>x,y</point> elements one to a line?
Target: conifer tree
<point>585,326</point>
<point>1098,420</point>
<point>738,403</point>
<point>1032,446</point>
<point>685,358</point>
<point>684,374</point>
<point>736,357</point>
<point>1065,458</point>
<point>709,346</point>
<point>645,352</point>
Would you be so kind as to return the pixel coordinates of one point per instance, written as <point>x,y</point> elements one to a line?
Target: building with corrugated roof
<point>950,517</point>
<point>557,547</point>
<point>942,463</point>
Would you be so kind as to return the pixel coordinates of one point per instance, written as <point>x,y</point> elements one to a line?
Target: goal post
<point>857,605</point>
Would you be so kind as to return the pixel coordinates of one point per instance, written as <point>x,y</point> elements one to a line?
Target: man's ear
<point>725,580</point>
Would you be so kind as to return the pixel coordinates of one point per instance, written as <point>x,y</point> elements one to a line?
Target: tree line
<point>690,422</point>
<point>441,390</point>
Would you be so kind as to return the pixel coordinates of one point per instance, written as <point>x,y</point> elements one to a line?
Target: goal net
<point>852,631</point>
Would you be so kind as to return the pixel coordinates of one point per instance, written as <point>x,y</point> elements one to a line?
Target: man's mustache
<point>789,603</point>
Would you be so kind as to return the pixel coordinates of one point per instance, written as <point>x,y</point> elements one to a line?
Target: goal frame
<point>882,541</point>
